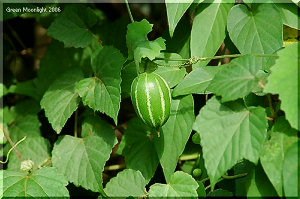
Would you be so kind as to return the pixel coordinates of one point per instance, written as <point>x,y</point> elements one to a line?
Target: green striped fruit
<point>151,98</point>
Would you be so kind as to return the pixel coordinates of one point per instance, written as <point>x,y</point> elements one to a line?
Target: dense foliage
<point>232,128</point>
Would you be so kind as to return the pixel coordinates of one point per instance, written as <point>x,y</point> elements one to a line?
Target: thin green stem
<point>234,176</point>
<point>13,148</point>
<point>75,123</point>
<point>225,177</point>
<point>189,157</point>
<point>114,167</point>
<point>194,60</point>
<point>170,59</point>
<point>129,12</point>
<point>271,106</point>
<point>234,55</point>
<point>204,179</point>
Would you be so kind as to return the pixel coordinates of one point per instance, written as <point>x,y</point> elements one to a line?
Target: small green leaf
<point>229,132</point>
<point>113,33</point>
<point>259,185</point>
<point>45,182</point>
<point>201,189</point>
<point>238,78</point>
<point>274,152</point>
<point>180,42</point>
<point>82,160</point>
<point>138,44</point>
<point>28,125</point>
<point>255,183</point>
<point>103,92</point>
<point>61,99</point>
<point>290,171</point>
<point>175,10</point>
<point>72,26</point>
<point>255,31</point>
<point>128,74</point>
<point>172,75</point>
<point>196,82</point>
<point>181,185</point>
<point>283,81</point>
<point>139,150</point>
<point>27,88</point>
<point>175,134</point>
<point>127,183</point>
<point>93,125</point>
<point>3,90</point>
<point>209,29</point>
<point>36,149</point>
<point>54,63</point>
<point>289,14</point>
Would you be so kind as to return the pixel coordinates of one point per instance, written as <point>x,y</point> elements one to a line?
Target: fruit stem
<point>129,12</point>
<point>12,144</point>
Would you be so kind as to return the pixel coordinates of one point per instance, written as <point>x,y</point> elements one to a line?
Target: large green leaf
<point>291,171</point>
<point>238,78</point>
<point>103,91</point>
<point>139,151</point>
<point>209,29</point>
<point>175,10</point>
<point>181,185</point>
<point>127,183</point>
<point>229,132</point>
<point>138,44</point>
<point>196,82</point>
<point>289,14</point>
<point>82,160</point>
<point>36,149</point>
<point>283,81</point>
<point>72,26</point>
<point>274,150</point>
<point>175,134</point>
<point>61,99</point>
<point>46,182</point>
<point>255,31</point>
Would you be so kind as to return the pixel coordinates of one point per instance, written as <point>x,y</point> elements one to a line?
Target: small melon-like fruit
<point>151,98</point>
